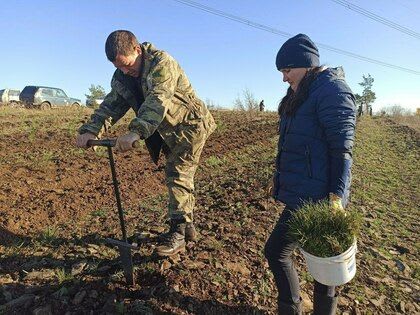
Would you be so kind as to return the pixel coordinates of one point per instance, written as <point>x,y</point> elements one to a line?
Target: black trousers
<point>278,251</point>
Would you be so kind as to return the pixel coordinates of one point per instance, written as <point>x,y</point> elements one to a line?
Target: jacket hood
<point>334,73</point>
<point>327,76</point>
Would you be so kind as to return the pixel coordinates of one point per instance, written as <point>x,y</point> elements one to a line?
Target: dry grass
<point>412,121</point>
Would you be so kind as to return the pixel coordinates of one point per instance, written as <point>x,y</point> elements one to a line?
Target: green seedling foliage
<point>63,276</point>
<point>221,126</point>
<point>214,161</point>
<point>48,236</point>
<point>101,213</point>
<point>321,232</point>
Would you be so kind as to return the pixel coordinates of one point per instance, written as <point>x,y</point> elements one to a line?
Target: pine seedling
<point>321,232</point>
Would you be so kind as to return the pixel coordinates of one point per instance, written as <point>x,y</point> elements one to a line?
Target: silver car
<point>10,97</point>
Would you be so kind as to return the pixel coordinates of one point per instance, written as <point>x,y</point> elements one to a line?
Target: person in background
<point>317,125</point>
<point>262,106</point>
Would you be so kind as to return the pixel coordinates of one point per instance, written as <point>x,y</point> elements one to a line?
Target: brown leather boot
<point>175,240</point>
<point>190,233</point>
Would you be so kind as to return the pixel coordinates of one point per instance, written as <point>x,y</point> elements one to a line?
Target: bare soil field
<point>412,121</point>
<point>57,206</point>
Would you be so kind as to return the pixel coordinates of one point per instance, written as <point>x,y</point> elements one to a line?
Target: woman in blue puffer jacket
<point>317,123</point>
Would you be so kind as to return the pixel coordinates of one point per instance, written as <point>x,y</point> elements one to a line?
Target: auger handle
<point>109,143</point>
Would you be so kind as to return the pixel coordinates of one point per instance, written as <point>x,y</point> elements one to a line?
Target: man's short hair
<point>120,42</point>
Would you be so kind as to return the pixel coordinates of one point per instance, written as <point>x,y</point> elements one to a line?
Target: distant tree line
<point>247,101</point>
<point>397,111</point>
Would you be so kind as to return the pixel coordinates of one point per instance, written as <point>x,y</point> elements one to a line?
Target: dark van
<point>45,97</point>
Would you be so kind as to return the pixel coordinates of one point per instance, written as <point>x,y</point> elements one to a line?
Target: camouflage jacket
<point>161,96</point>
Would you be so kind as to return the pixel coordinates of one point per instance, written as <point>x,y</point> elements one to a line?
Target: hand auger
<point>123,246</point>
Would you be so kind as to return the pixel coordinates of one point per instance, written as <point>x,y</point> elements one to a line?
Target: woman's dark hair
<point>291,102</point>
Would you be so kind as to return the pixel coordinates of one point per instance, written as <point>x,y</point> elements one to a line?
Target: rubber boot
<point>175,241</point>
<point>190,233</point>
<point>324,304</point>
<point>289,309</point>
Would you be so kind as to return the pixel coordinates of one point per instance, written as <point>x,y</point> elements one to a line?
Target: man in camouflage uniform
<point>170,117</point>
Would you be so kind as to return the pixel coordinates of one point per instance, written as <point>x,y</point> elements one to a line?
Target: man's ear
<point>137,49</point>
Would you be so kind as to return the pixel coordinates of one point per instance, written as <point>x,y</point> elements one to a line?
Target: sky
<point>61,44</point>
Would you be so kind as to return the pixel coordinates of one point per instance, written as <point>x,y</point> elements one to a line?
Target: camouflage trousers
<point>182,157</point>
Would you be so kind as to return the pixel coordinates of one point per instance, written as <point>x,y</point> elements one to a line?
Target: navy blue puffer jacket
<point>315,145</point>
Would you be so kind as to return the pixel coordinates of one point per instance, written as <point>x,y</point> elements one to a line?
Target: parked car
<point>45,97</point>
<point>9,97</point>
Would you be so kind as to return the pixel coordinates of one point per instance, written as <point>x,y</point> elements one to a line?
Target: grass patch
<point>154,204</point>
<point>221,126</point>
<point>48,236</point>
<point>412,121</point>
<point>214,244</point>
<point>214,161</point>
<point>63,276</point>
<point>14,249</point>
<point>219,278</point>
<point>416,272</point>
<point>263,287</point>
<point>101,213</point>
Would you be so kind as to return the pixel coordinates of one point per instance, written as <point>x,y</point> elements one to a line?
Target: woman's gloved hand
<point>335,203</point>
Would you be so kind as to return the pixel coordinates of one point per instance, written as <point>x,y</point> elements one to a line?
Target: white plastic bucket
<point>332,271</point>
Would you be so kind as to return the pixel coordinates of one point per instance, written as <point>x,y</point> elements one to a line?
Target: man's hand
<point>126,142</point>
<point>82,140</point>
<point>336,204</point>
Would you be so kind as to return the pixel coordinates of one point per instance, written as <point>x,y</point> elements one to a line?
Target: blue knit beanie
<point>298,52</point>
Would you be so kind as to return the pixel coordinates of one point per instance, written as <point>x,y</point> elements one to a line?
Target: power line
<point>233,17</point>
<point>411,10</point>
<point>378,18</point>
<point>285,34</point>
